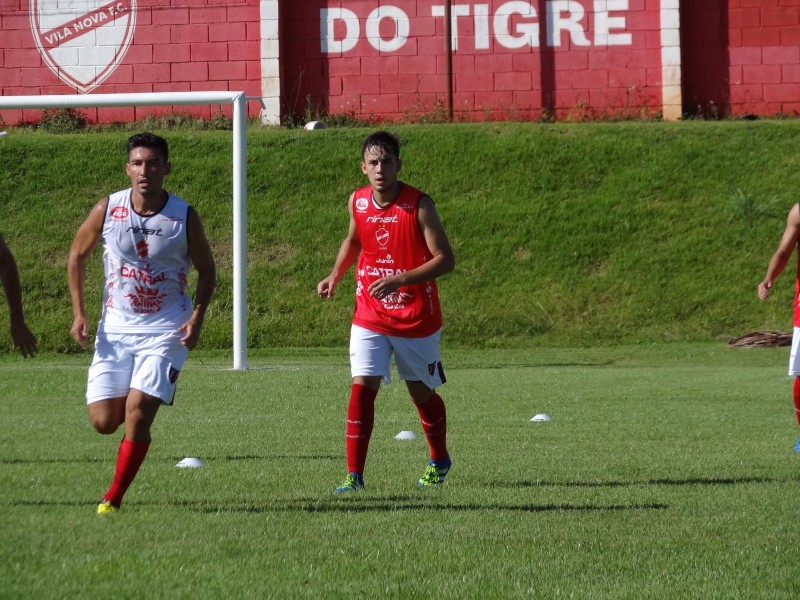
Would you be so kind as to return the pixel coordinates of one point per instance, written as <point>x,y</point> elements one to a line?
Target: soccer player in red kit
<point>776,266</point>
<point>401,247</point>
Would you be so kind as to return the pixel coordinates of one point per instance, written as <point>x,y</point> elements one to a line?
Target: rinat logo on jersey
<point>144,230</point>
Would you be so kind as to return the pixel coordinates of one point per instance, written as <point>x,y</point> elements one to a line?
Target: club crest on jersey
<point>382,235</point>
<point>361,204</point>
<point>83,41</point>
<point>142,249</point>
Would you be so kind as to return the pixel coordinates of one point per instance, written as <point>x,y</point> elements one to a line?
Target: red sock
<point>433,416</point>
<point>797,398</point>
<point>129,458</point>
<point>360,419</point>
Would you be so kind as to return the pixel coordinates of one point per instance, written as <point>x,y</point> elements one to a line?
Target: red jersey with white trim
<point>391,243</point>
<point>146,260</point>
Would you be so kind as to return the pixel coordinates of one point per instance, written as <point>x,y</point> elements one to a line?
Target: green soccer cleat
<point>434,474</point>
<point>352,483</point>
<point>106,508</point>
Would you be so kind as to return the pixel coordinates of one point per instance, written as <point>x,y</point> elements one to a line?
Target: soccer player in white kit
<point>149,323</point>
<point>401,247</point>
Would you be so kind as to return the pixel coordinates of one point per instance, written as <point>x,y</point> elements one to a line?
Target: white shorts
<point>794,359</point>
<point>146,362</point>
<point>417,359</point>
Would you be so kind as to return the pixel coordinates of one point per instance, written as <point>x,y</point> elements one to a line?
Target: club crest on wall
<point>83,41</point>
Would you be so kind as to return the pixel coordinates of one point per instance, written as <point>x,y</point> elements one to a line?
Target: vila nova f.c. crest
<point>83,41</point>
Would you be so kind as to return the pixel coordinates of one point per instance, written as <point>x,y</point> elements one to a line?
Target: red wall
<point>738,56</point>
<point>579,76</point>
<point>741,55</point>
<point>764,42</point>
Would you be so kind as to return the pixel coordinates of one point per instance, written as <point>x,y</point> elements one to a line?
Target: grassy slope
<point>566,234</point>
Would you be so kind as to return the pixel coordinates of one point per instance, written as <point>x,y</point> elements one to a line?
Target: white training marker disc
<point>541,417</point>
<point>406,435</point>
<point>190,463</point>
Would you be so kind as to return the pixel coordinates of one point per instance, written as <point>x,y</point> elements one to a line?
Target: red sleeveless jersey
<point>796,311</point>
<point>391,243</point>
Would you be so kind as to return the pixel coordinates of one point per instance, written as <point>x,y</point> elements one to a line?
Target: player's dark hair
<point>383,140</point>
<point>149,140</point>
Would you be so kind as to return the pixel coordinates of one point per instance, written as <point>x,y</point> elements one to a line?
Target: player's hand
<point>325,288</point>
<point>24,339</point>
<point>80,331</point>
<point>763,289</point>
<point>191,333</point>
<point>381,288</point>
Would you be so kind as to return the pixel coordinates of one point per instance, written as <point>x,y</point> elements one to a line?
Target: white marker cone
<point>190,463</point>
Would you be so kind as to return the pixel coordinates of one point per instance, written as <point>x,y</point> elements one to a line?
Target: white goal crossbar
<point>239,102</point>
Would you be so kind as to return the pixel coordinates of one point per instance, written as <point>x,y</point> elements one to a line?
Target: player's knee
<point>105,424</point>
<point>107,415</point>
<point>420,393</point>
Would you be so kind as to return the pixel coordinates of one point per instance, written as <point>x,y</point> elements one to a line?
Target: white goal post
<point>239,102</point>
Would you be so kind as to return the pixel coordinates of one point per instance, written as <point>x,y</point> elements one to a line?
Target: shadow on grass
<point>362,504</point>
<point>52,503</point>
<point>426,500</point>
<point>50,461</point>
<point>111,458</point>
<point>358,504</point>
<point>278,457</point>
<point>382,505</point>
<point>533,365</point>
<point>674,482</point>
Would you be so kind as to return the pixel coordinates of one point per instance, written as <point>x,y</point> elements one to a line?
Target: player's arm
<point>203,262</point>
<point>443,260</point>
<point>348,252</point>
<point>83,245</point>
<point>781,257</point>
<point>9,275</point>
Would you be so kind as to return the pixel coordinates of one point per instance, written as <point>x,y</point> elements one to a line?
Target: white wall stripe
<point>270,63</point>
<point>671,84</point>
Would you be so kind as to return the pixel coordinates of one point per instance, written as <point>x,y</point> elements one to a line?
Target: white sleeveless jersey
<point>146,260</point>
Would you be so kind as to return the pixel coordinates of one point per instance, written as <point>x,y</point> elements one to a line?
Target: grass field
<point>666,472</point>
